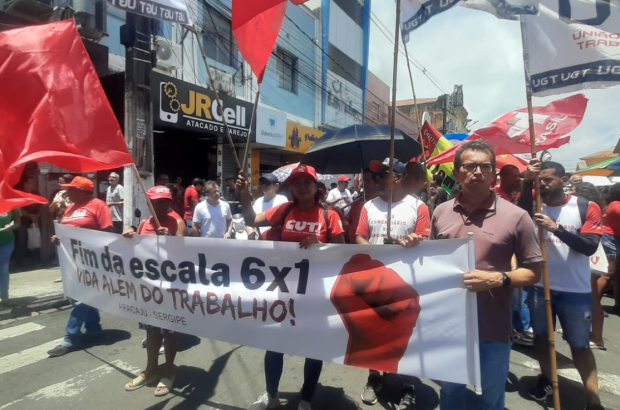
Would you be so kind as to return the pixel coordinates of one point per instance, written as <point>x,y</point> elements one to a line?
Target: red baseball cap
<point>81,183</point>
<point>302,171</point>
<point>343,178</point>
<point>159,192</point>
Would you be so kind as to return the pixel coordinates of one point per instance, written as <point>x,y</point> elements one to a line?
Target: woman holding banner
<point>294,221</point>
<point>171,225</point>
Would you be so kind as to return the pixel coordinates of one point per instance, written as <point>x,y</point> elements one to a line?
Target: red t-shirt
<point>92,214</point>
<point>149,227</point>
<point>612,219</point>
<point>354,219</point>
<point>299,224</point>
<point>513,199</point>
<point>191,200</point>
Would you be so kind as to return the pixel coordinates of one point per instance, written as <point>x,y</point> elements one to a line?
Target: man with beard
<point>573,230</point>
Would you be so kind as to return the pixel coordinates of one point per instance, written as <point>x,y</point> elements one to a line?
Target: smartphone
<point>165,112</point>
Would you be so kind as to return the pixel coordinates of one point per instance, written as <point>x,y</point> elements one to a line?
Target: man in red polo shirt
<point>192,197</point>
<point>86,212</point>
<point>501,230</point>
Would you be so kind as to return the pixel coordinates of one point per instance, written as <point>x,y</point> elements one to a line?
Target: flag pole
<point>420,138</point>
<point>247,143</point>
<point>148,200</point>
<point>541,232</point>
<point>217,95</point>
<point>393,128</point>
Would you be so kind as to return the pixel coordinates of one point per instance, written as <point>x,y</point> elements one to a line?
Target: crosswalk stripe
<point>75,385</point>
<point>26,357</point>
<point>609,383</point>
<point>19,330</point>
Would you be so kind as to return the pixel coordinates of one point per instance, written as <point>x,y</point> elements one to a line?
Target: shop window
<point>287,70</point>
<point>218,40</point>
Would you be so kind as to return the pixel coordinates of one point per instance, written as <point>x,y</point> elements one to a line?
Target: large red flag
<point>53,109</point>
<point>256,25</point>
<point>509,134</point>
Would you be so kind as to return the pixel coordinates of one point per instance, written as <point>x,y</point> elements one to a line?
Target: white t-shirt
<point>260,206</point>
<point>115,195</point>
<point>213,220</point>
<point>569,270</point>
<point>335,194</point>
<point>409,215</point>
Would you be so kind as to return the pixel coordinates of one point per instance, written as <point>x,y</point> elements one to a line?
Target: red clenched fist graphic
<point>379,310</point>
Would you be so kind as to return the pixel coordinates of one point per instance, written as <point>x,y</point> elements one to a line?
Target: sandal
<point>164,386</point>
<point>140,381</point>
<point>594,346</point>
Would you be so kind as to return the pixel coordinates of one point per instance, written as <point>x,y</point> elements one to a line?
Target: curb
<point>46,303</point>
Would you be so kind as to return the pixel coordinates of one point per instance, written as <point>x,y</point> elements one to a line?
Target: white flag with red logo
<point>509,134</point>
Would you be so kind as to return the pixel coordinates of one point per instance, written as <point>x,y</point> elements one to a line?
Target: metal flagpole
<point>392,131</point>
<point>541,233</point>
<point>420,139</point>
<point>217,95</point>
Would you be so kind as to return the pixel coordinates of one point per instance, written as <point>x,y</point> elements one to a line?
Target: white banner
<point>168,10</point>
<point>414,13</point>
<point>573,45</point>
<point>380,307</point>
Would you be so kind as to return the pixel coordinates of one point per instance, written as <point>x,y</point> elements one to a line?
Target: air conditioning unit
<point>223,81</point>
<point>169,54</point>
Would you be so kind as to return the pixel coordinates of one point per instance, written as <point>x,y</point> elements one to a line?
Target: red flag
<point>256,25</point>
<point>430,137</point>
<point>53,109</point>
<point>509,134</point>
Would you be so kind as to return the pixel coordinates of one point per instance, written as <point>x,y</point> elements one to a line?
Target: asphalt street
<point>217,375</point>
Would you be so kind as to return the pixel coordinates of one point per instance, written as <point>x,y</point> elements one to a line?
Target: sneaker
<point>407,402</point>
<point>265,402</point>
<point>59,350</point>
<point>304,405</point>
<point>144,343</point>
<point>372,388</point>
<point>594,407</point>
<point>162,350</point>
<point>542,389</point>
<point>523,338</point>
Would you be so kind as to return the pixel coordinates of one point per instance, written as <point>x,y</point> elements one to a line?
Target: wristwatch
<point>506,281</point>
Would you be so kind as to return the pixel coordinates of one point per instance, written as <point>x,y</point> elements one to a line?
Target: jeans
<point>574,310</point>
<point>520,310</point>
<point>5,257</point>
<point>274,362</point>
<point>494,364</point>
<point>81,314</point>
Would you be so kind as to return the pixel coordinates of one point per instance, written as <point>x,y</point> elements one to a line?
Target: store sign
<point>167,10</point>
<point>189,107</point>
<point>270,127</point>
<point>300,138</point>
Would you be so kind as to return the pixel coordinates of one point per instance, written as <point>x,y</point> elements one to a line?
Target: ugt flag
<point>572,45</point>
<point>509,134</point>
<point>414,13</point>
<point>53,109</point>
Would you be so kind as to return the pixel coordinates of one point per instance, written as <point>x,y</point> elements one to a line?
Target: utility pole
<point>138,125</point>
<point>445,113</point>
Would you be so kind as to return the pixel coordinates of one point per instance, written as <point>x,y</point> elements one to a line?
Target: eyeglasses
<point>485,168</point>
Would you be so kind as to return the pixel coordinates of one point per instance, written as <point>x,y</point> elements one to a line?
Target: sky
<point>484,54</point>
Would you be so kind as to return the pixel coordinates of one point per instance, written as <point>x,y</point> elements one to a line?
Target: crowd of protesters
<point>497,205</point>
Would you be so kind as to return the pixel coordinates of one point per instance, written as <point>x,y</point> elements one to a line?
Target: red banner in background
<point>509,134</point>
<point>53,109</point>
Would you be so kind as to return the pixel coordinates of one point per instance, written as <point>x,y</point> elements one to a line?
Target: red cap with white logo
<point>302,171</point>
<point>159,192</point>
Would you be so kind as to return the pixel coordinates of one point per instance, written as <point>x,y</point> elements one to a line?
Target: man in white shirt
<point>212,218</point>
<point>268,184</point>
<point>340,196</point>
<point>114,199</point>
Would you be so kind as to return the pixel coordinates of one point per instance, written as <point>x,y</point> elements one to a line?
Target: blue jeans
<point>520,311</point>
<point>5,257</point>
<point>274,363</point>
<point>494,364</point>
<point>573,309</point>
<point>81,314</point>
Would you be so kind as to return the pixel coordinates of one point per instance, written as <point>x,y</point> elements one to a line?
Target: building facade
<point>447,112</point>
